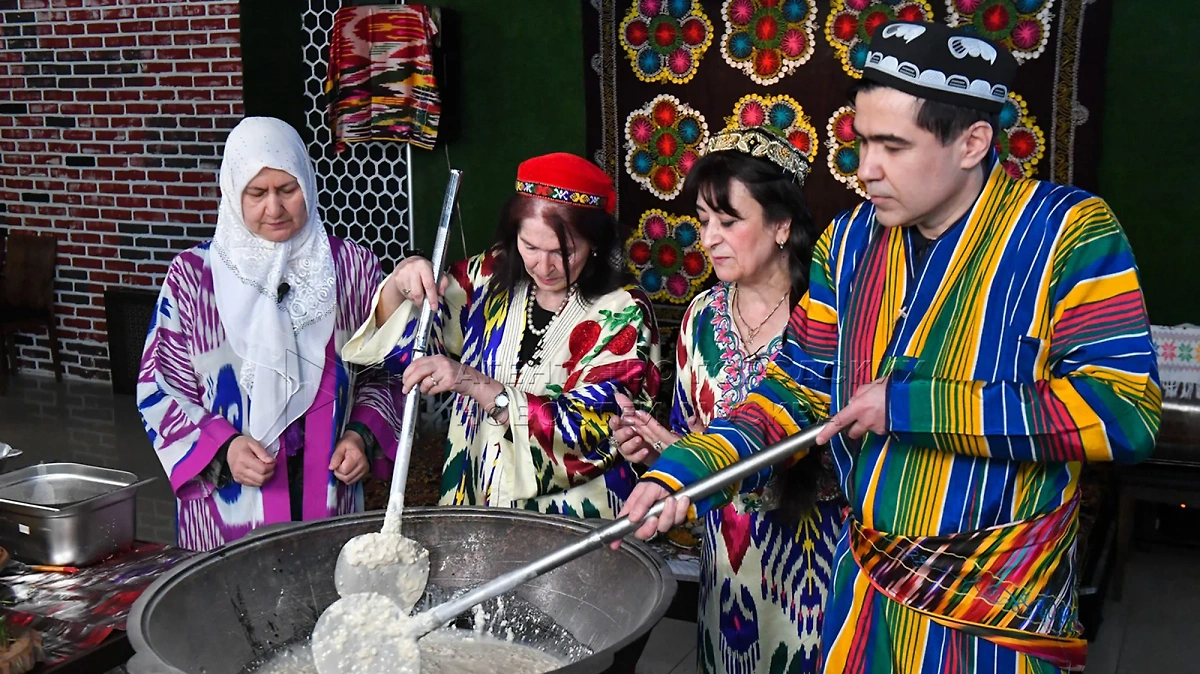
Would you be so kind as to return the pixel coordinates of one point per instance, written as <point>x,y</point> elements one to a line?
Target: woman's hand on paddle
<point>349,461</point>
<point>438,374</point>
<point>249,463</point>
<point>412,280</point>
<point>644,496</point>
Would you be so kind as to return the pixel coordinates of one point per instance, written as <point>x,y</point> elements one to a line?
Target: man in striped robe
<point>972,338</point>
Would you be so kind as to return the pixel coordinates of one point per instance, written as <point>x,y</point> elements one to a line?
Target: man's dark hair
<point>944,120</point>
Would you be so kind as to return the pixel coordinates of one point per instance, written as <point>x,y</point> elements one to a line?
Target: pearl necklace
<point>529,301</point>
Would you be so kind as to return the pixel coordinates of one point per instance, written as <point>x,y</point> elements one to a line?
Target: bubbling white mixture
<point>390,564</point>
<point>442,652</point>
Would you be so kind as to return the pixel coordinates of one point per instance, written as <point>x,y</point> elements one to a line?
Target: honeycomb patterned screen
<point>364,189</point>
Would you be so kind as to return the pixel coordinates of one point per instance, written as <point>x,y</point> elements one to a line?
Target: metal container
<point>7,452</point>
<point>1178,440</point>
<point>67,514</point>
<point>222,611</point>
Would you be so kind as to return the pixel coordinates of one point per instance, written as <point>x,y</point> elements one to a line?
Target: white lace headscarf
<point>281,344</point>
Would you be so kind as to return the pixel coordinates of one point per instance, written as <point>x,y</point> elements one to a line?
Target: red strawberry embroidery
<point>583,338</point>
<point>623,341</point>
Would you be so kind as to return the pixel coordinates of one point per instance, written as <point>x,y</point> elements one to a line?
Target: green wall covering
<point>522,96</point>
<point>1151,142</point>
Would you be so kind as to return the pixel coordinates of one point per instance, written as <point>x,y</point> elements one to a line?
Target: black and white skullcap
<point>939,63</point>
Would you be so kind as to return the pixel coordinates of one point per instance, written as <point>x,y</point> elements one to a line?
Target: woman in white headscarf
<point>250,408</point>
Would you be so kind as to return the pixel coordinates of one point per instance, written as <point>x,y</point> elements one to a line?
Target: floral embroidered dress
<point>763,581</point>
<point>553,455</point>
<point>192,404</point>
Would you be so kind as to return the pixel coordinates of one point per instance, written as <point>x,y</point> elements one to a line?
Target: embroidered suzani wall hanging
<point>768,39</point>
<point>665,39</point>
<point>665,256</point>
<point>656,90</point>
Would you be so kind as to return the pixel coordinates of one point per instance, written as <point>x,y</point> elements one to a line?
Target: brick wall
<point>112,118</point>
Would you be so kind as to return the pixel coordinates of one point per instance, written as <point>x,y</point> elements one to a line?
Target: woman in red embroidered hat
<point>538,336</point>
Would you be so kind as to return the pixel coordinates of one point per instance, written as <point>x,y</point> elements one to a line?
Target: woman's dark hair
<point>599,229</point>
<point>944,120</point>
<point>782,199</point>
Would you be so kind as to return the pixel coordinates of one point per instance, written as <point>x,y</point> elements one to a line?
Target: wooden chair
<point>27,303</point>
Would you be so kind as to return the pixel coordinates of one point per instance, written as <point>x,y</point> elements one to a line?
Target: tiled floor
<point>1155,629</point>
<point>83,422</point>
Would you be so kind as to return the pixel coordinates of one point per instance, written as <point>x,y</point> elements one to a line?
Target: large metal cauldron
<point>216,613</point>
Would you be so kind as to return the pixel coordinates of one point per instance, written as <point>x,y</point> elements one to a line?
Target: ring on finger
<point>405,292</point>
<point>658,446</point>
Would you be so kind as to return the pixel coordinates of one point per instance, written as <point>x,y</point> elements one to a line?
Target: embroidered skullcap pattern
<point>939,63</point>
<point>774,128</point>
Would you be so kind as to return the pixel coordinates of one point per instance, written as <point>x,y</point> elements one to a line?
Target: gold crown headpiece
<point>771,128</point>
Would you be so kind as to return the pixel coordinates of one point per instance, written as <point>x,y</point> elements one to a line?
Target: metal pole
<point>408,426</point>
<point>740,470</point>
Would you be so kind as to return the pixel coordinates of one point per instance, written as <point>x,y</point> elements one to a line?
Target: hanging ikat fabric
<point>380,83</point>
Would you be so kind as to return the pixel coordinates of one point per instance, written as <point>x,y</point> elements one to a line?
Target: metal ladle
<point>382,639</point>
<point>388,563</point>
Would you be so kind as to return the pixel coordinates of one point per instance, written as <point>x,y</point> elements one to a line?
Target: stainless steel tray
<point>63,487</point>
<point>67,513</point>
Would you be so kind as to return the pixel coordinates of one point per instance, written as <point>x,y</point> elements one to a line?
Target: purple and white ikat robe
<point>191,403</point>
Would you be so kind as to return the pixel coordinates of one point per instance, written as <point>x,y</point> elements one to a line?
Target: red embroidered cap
<point>568,178</point>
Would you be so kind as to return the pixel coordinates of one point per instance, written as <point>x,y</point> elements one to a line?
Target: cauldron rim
<point>639,550</point>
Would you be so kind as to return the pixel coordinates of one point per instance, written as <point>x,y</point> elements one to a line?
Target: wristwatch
<point>499,405</point>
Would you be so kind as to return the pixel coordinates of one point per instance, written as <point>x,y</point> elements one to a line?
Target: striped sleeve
<point>794,393</point>
<point>1099,397</point>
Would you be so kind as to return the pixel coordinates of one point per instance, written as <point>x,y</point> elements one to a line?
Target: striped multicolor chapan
<point>554,454</point>
<point>1008,584</point>
<point>1021,349</point>
<point>380,83</point>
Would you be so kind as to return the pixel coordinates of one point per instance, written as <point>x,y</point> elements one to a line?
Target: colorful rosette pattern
<point>1021,143</point>
<point>782,115</point>
<point>843,149</point>
<point>665,39</point>
<point>663,139</point>
<point>1023,26</point>
<point>666,256</point>
<point>852,24</point>
<point>768,39</point>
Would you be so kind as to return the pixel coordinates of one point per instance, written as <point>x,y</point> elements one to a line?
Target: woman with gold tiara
<point>767,549</point>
